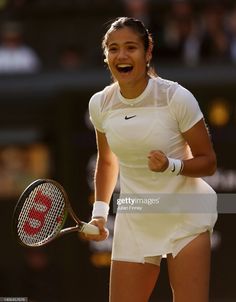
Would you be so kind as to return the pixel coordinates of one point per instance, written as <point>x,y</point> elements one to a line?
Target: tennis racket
<point>41,212</point>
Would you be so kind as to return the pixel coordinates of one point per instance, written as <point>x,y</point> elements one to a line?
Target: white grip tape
<point>100,209</point>
<point>90,229</point>
<point>175,166</point>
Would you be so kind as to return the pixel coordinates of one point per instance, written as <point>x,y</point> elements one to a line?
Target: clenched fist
<point>157,161</point>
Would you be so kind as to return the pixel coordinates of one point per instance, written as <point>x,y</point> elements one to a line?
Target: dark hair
<point>138,27</point>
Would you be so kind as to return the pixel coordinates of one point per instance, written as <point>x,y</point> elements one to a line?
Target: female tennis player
<point>152,131</point>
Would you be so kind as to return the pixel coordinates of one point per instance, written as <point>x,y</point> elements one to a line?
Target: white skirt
<point>170,236</point>
<point>146,234</point>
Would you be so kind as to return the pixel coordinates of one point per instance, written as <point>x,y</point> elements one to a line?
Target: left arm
<point>203,162</point>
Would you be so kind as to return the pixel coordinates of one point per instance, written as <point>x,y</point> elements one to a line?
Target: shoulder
<point>103,98</point>
<point>185,108</point>
<point>163,90</point>
<point>164,83</point>
<point>103,94</point>
<point>173,90</point>
<point>165,86</point>
<point>182,95</point>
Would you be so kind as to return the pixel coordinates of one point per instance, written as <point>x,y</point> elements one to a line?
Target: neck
<point>133,90</point>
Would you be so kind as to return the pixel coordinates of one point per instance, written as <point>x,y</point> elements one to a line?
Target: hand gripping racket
<point>41,212</point>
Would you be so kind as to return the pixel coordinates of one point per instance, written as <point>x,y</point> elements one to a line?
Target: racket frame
<point>67,209</point>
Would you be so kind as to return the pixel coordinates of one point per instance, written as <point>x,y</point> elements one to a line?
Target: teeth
<point>124,65</point>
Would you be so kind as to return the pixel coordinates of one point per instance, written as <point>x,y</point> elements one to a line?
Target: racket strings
<point>55,216</point>
<point>42,215</point>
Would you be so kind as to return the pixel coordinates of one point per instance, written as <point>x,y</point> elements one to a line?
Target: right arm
<point>107,169</point>
<point>106,175</point>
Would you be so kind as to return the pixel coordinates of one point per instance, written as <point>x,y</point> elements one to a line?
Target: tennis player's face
<point>126,56</point>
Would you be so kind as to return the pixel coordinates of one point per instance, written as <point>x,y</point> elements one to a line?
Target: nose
<point>122,54</point>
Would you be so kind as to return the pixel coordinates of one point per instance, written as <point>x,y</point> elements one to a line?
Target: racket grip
<point>90,229</point>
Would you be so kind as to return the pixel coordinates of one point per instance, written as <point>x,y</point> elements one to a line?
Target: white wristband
<point>175,166</point>
<point>100,209</point>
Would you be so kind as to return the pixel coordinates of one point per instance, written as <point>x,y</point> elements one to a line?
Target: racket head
<point>40,213</point>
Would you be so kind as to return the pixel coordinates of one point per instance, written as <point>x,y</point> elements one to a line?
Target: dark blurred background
<point>51,63</point>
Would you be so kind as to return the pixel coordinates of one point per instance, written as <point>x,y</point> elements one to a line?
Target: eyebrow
<point>126,43</point>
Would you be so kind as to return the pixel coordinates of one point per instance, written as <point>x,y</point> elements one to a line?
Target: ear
<point>149,54</point>
<point>105,53</point>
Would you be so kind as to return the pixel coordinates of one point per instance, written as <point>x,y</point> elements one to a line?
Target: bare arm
<point>107,169</point>
<point>106,174</point>
<point>203,162</point>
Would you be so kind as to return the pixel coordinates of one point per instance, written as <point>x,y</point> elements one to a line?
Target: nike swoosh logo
<point>173,169</point>
<point>129,117</point>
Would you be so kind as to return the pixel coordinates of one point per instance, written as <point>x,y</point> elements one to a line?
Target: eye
<point>112,49</point>
<point>132,47</point>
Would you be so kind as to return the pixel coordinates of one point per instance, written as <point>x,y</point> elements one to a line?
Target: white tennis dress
<point>134,127</point>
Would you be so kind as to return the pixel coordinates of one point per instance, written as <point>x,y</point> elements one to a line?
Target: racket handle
<point>90,229</point>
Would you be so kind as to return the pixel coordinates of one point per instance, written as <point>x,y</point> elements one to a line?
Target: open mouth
<point>124,68</point>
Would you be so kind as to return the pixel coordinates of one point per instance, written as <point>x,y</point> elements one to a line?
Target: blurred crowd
<point>185,32</point>
<point>192,37</point>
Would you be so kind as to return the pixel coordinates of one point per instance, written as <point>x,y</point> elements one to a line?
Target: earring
<point>105,61</point>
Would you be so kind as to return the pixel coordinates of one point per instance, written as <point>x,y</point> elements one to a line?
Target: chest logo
<point>129,117</point>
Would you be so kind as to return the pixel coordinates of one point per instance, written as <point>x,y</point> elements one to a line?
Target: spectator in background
<point>232,30</point>
<point>181,34</point>
<point>215,43</point>
<point>139,9</point>
<point>15,56</point>
<point>71,58</point>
